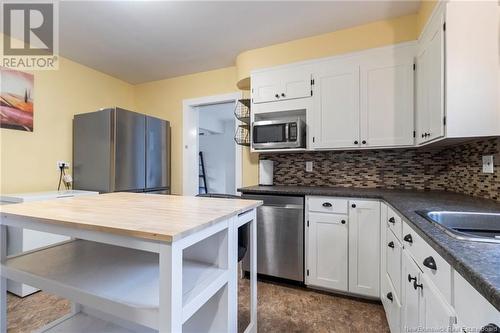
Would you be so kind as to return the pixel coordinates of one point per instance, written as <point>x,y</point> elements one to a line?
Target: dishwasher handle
<point>288,206</point>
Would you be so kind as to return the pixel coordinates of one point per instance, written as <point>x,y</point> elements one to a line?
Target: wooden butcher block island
<point>136,262</point>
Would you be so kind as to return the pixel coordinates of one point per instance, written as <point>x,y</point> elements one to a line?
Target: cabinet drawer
<point>327,205</point>
<point>429,261</point>
<point>393,260</point>
<point>392,305</point>
<point>394,222</point>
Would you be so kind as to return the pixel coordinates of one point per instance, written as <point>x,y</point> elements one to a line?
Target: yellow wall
<point>164,99</point>
<point>28,160</point>
<point>365,36</point>
<point>424,13</point>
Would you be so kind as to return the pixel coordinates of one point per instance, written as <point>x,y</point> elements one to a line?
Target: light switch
<point>488,164</point>
<point>309,166</point>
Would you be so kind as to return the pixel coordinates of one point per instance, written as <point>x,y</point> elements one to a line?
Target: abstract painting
<point>16,100</point>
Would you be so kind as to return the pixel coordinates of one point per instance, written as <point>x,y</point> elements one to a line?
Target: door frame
<point>190,140</point>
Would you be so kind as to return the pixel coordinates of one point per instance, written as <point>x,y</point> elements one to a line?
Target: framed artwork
<point>16,100</point>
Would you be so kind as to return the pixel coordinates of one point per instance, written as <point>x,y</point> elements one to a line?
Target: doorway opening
<point>211,157</point>
<point>217,148</point>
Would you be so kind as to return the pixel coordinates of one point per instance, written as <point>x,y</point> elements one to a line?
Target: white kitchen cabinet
<point>435,314</point>
<point>391,303</point>
<point>281,84</point>
<point>327,251</point>
<point>386,97</point>
<point>393,260</point>
<point>409,296</point>
<point>430,84</point>
<point>336,105</point>
<point>423,305</point>
<point>457,71</point>
<point>365,99</point>
<point>364,247</point>
<point>383,248</point>
<point>467,298</point>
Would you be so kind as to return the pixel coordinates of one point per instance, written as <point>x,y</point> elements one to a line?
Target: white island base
<point>130,284</point>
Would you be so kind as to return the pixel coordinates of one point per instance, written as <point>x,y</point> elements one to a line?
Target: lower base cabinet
<point>435,314</point>
<point>423,306</point>
<point>327,251</point>
<point>473,310</point>
<point>364,248</point>
<point>392,304</point>
<point>409,295</point>
<point>343,245</point>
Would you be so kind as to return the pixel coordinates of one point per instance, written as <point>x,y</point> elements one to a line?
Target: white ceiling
<point>141,41</point>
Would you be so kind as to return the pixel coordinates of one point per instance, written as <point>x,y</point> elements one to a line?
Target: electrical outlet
<point>488,164</point>
<point>59,164</point>
<point>309,166</point>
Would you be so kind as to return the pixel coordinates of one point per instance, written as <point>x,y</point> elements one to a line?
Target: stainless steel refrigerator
<point>120,150</point>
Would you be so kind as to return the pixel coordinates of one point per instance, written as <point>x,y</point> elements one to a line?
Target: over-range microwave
<point>279,134</point>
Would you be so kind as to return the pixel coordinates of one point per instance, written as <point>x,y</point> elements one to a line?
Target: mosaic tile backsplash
<point>456,168</point>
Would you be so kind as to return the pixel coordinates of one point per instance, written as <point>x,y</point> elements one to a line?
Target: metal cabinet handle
<point>353,205</point>
<point>389,296</point>
<point>416,285</point>
<point>391,245</point>
<point>343,221</point>
<point>327,204</point>
<point>392,220</point>
<point>408,238</point>
<point>429,262</point>
<point>414,279</point>
<point>490,328</point>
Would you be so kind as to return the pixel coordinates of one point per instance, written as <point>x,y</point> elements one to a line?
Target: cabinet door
<point>364,247</point>
<point>409,296</point>
<point>430,86</point>
<point>281,84</point>
<point>387,102</point>
<point>265,86</point>
<point>336,105</point>
<point>327,251</point>
<point>435,85</point>
<point>421,100</point>
<point>472,309</point>
<point>435,314</point>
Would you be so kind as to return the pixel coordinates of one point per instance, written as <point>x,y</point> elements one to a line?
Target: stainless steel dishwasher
<point>280,237</point>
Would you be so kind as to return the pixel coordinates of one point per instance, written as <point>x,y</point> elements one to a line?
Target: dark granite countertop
<point>478,263</point>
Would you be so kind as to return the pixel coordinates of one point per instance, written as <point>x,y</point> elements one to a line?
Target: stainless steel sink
<point>479,227</point>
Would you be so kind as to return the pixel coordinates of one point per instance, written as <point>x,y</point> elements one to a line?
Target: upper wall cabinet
<point>281,84</point>
<point>386,89</point>
<point>365,100</point>
<point>430,84</point>
<point>457,72</point>
<point>336,105</point>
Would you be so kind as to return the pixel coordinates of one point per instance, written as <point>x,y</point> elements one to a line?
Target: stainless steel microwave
<point>279,134</point>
